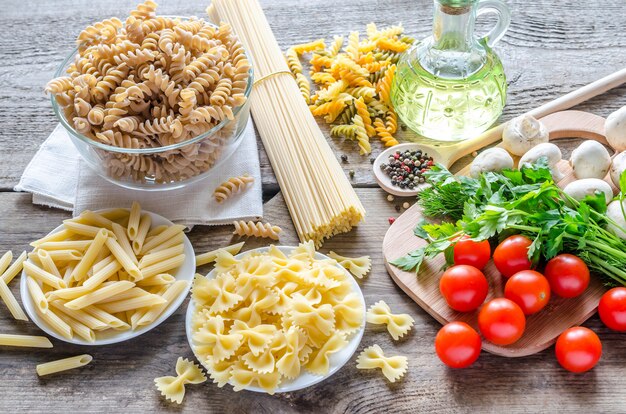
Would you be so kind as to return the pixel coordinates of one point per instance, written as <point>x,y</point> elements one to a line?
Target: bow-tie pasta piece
<point>256,338</point>
<point>358,266</point>
<point>393,367</point>
<point>173,388</point>
<point>348,314</point>
<point>289,364</point>
<point>219,293</point>
<point>397,324</point>
<point>243,377</point>
<point>212,335</point>
<point>319,362</point>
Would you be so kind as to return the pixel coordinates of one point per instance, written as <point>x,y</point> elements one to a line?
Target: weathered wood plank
<point>121,375</point>
<point>549,50</point>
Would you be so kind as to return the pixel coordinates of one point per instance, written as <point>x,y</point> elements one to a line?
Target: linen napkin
<point>58,177</point>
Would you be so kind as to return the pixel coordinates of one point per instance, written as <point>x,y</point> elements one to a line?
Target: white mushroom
<point>580,189</point>
<point>492,159</point>
<point>590,160</point>
<point>550,151</point>
<point>617,167</point>
<point>615,129</point>
<point>523,133</point>
<point>615,213</point>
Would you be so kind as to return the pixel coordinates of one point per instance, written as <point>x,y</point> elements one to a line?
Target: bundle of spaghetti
<point>320,199</point>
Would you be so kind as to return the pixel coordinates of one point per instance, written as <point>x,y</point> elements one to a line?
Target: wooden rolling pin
<point>456,151</point>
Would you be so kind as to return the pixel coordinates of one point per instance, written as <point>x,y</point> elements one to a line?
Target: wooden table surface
<point>550,49</point>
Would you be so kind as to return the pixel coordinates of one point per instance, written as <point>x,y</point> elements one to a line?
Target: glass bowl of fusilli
<point>156,110</point>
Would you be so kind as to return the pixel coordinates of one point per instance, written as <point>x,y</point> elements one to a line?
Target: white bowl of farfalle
<point>275,319</point>
<point>154,102</point>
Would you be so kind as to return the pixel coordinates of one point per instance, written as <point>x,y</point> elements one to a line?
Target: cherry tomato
<point>457,345</point>
<point>568,275</point>
<point>464,287</point>
<point>612,309</point>
<point>501,321</point>
<point>578,349</point>
<point>472,253</point>
<point>511,256</point>
<point>529,289</point>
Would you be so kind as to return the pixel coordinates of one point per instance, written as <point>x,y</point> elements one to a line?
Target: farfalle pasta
<point>151,82</point>
<point>173,388</point>
<point>372,357</point>
<point>358,266</point>
<point>397,324</point>
<point>266,317</point>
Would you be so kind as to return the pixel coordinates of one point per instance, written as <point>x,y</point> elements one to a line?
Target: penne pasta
<point>80,329</point>
<point>55,323</point>
<point>124,260</point>
<point>157,280</point>
<point>94,219</point>
<point>67,293</point>
<point>129,294</point>
<point>170,295</point>
<point>122,239</point>
<point>65,255</point>
<point>54,237</point>
<point>102,275</point>
<point>14,269</point>
<point>107,318</point>
<point>164,266</point>
<point>39,299</point>
<point>63,364</point>
<point>43,276</point>
<point>177,239</point>
<point>99,295</point>
<point>81,316</point>
<point>5,261</point>
<point>99,265</point>
<point>67,276</point>
<point>84,229</point>
<point>47,262</point>
<point>157,230</point>
<point>9,300</point>
<point>26,341</point>
<point>80,271</point>
<point>80,245</point>
<point>160,256</point>
<point>210,257</point>
<point>144,226</point>
<point>170,232</point>
<point>116,214</point>
<point>133,221</point>
<point>133,303</point>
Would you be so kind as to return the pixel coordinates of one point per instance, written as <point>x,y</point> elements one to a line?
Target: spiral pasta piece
<point>232,186</point>
<point>361,136</point>
<point>384,134</point>
<point>250,228</point>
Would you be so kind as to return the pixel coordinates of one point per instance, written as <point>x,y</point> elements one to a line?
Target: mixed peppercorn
<point>406,169</point>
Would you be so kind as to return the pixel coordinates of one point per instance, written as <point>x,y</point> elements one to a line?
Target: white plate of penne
<point>107,276</point>
<point>306,374</point>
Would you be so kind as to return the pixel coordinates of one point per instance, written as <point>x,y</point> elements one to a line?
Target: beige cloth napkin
<point>57,177</point>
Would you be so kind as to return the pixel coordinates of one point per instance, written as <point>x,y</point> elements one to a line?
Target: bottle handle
<point>504,19</point>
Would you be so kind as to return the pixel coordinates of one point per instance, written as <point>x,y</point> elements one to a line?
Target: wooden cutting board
<point>542,328</point>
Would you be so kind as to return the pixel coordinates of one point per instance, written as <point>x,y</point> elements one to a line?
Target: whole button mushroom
<point>618,167</point>
<point>546,150</point>
<point>590,160</point>
<point>615,129</point>
<point>492,159</point>
<point>523,133</point>
<point>580,189</point>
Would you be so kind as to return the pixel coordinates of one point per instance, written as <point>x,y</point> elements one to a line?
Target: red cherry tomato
<point>511,256</point>
<point>457,345</point>
<point>612,309</point>
<point>568,275</point>
<point>464,287</point>
<point>578,349</point>
<point>501,321</point>
<point>529,289</point>
<point>472,253</point>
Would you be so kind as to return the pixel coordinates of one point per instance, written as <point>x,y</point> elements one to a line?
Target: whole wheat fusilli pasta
<point>232,186</point>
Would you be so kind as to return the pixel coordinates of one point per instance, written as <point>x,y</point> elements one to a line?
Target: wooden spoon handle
<point>575,124</point>
<point>454,152</point>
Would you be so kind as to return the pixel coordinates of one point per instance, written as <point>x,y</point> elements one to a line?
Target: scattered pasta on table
<point>231,187</point>
<point>397,324</point>
<point>173,388</point>
<point>358,266</point>
<point>250,228</point>
<point>372,357</point>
